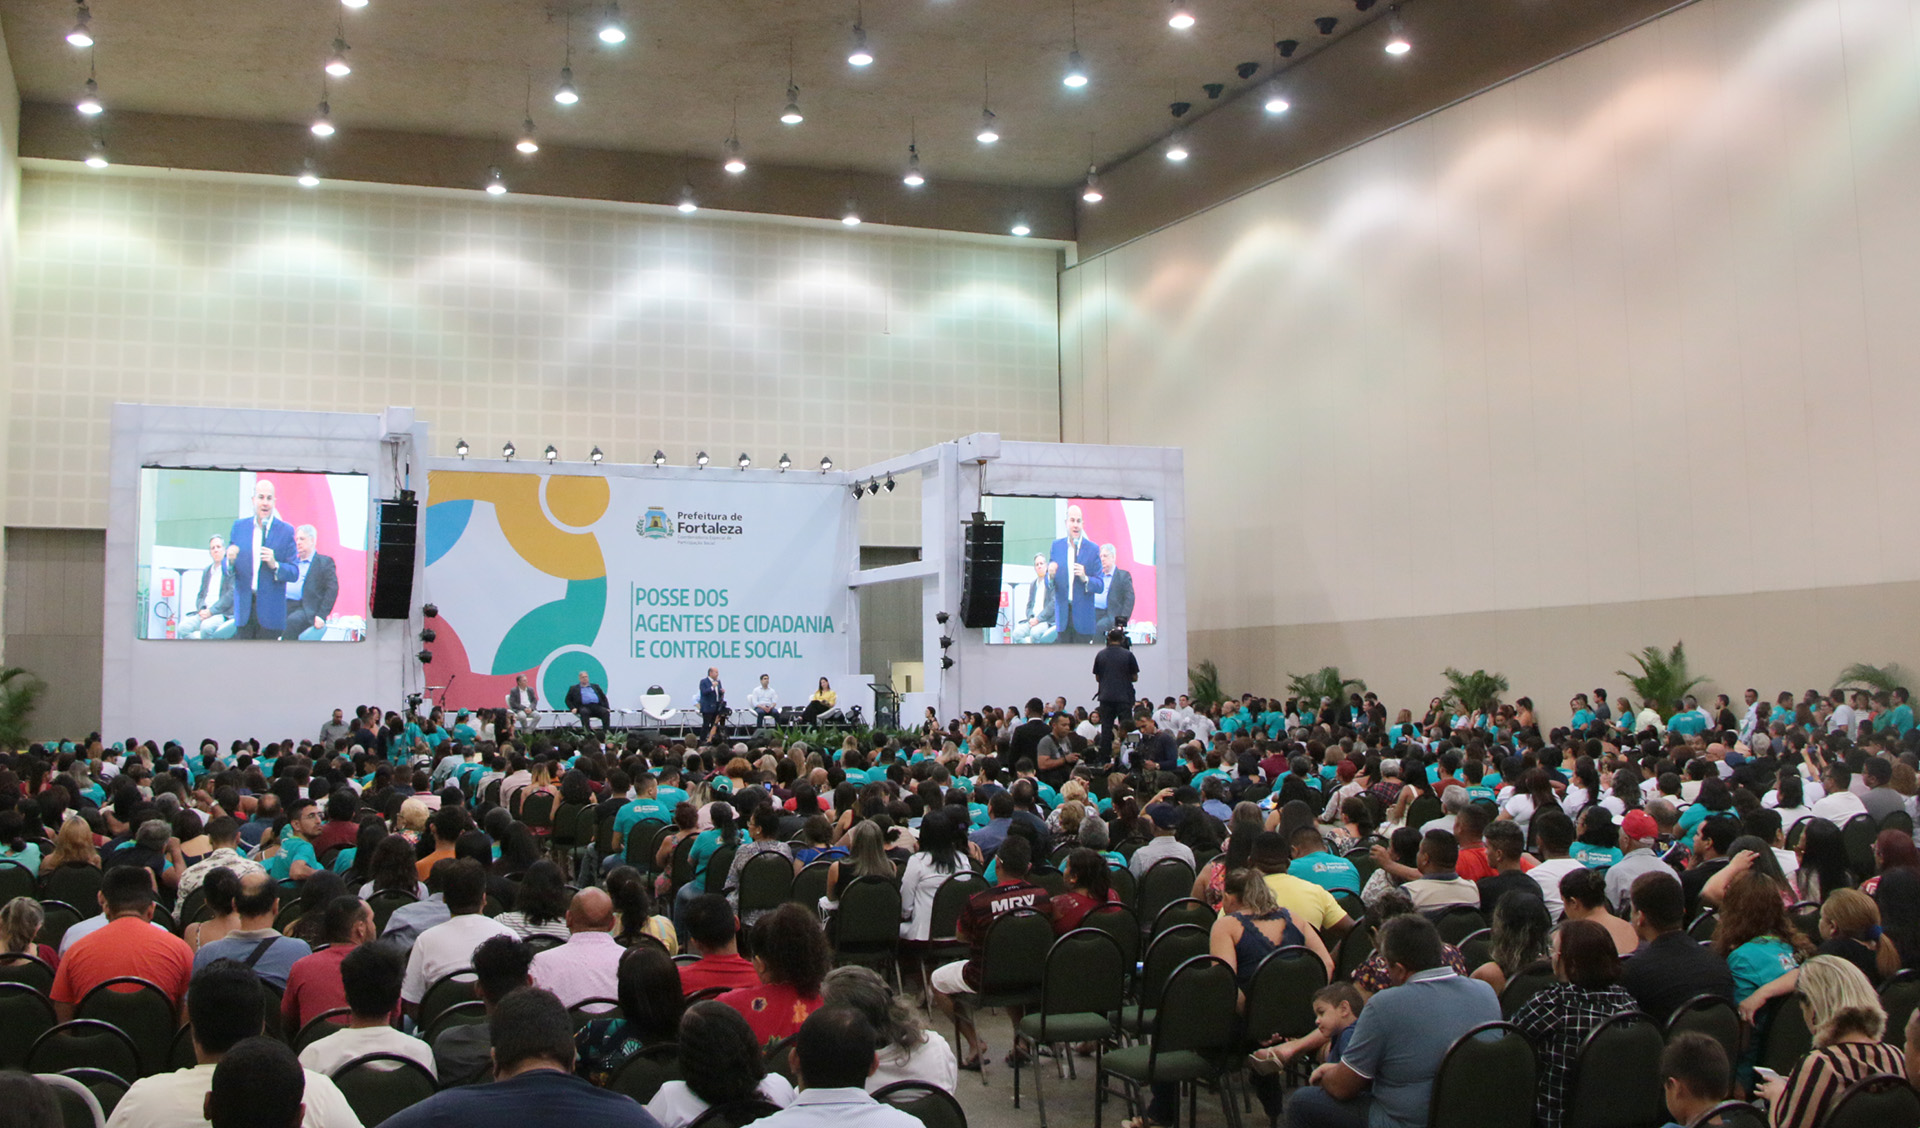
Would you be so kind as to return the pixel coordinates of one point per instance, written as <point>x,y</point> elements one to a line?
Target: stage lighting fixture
<point>659,458</point>
<point>594,456</point>
<point>566,94</point>
<point>528,143</point>
<point>988,133</point>
<point>859,491</point>
<point>322,121</point>
<point>496,184</point>
<point>1182,17</point>
<point>1277,102</point>
<point>889,483</point>
<point>1091,192</point>
<point>1286,47</point>
<point>913,179</point>
<point>460,448</point>
<point>940,617</point>
<point>353,3</point>
<point>1397,42</point>
<point>430,611</point>
<point>1246,70</point>
<point>946,663</point>
<point>687,205</point>
<point>735,163</point>
<point>1326,24</point>
<point>97,156</point>
<point>89,103</point>
<point>851,217</point>
<point>1076,75</point>
<point>946,641</point>
<point>1021,229</point>
<point>337,64</point>
<point>859,56</point>
<point>551,454</point>
<point>1214,90</point>
<point>613,29</point>
<point>308,178</point>
<point>1176,150</point>
<point>506,451</point>
<point>826,464</point>
<point>700,460</point>
<point>425,656</point>
<point>1364,5</point>
<point>428,635</point>
<point>791,115</point>
<point>81,36</point>
<point>744,461</point>
<point>784,463</point>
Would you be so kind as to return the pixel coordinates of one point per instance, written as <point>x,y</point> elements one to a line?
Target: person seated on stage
<point>764,702</point>
<point>822,700</point>
<point>521,703</point>
<point>589,700</point>
<point>213,601</point>
<point>1036,620</point>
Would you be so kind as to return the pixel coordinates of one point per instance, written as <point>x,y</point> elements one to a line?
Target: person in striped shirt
<point>1847,1020</point>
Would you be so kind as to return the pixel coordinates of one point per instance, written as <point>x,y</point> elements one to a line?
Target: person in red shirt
<point>1089,886</point>
<point>342,828</point>
<point>313,983</point>
<point>128,944</point>
<point>712,933</point>
<point>791,954</point>
<point>1011,891</point>
<point>1469,829</point>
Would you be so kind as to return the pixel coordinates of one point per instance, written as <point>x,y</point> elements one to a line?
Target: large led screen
<point>1073,569</point>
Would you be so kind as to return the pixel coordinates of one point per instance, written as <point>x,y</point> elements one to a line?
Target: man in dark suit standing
<point>1073,566</point>
<point>311,594</point>
<point>1116,669</point>
<point>261,552</point>
<point>588,700</point>
<point>1114,604</point>
<point>713,704</point>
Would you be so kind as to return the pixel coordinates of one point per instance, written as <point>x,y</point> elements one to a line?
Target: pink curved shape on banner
<point>470,690</point>
<point>1106,523</point>
<point>306,499</point>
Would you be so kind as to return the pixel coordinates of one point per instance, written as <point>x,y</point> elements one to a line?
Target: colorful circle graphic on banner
<point>563,670</point>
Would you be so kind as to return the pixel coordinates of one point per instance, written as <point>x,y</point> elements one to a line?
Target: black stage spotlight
<point>428,635</point>
<point>889,483</point>
<point>461,448</point>
<point>946,663</point>
<point>945,641</point>
<point>1326,24</point>
<point>940,617</point>
<point>1363,5</point>
<point>425,656</point>
<point>659,458</point>
<point>826,464</point>
<point>700,460</point>
<point>551,454</point>
<point>594,456</point>
<point>430,611</point>
<point>1213,89</point>
<point>1247,70</point>
<point>1286,47</point>
<point>785,462</point>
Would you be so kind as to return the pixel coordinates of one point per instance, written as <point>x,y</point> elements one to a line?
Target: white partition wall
<point>233,689</point>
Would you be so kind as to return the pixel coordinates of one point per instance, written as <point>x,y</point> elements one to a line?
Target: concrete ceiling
<point>461,68</point>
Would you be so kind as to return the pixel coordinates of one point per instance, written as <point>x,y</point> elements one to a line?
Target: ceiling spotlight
<point>784,463</point>
<point>527,143</point>
<point>791,115</point>
<point>659,458</point>
<point>460,448</point>
<point>496,184</point>
<point>1214,90</point>
<point>551,454</point>
<point>566,95</point>
<point>852,216</point>
<point>337,65</point>
<point>1091,192</point>
<point>988,133</point>
<point>744,461</point>
<point>859,490</point>
<point>353,3</point>
<point>308,178</point>
<point>506,451</point>
<point>1246,70</point>
<point>687,204</point>
<point>80,36</point>
<point>594,456</point>
<point>1286,47</point>
<point>913,179</point>
<point>428,634</point>
<point>826,464</point>
<point>1182,17</point>
<point>322,122</point>
<point>1176,150</point>
<point>612,28</point>
<point>700,460</point>
<point>1277,102</point>
<point>889,483</point>
<point>97,156</point>
<point>1397,43</point>
<point>860,56</point>
<point>735,163</point>
<point>1326,24</point>
<point>1021,229</point>
<point>1076,75</point>
<point>89,103</point>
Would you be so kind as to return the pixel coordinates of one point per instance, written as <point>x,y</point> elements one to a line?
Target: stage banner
<point>638,581</point>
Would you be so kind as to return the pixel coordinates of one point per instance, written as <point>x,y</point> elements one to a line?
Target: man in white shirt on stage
<point>521,702</point>
<point>764,702</point>
<point>213,602</point>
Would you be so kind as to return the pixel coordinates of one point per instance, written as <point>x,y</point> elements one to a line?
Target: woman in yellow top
<point>822,700</point>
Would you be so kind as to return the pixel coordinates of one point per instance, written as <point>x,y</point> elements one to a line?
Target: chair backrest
<point>1733,1114</point>
<point>1477,948</point>
<point>1166,881</point>
<point>765,881</point>
<point>1362,859</point>
<point>1709,1015</point>
<point>1166,953</point>
<point>1014,958</point>
<point>76,883</point>
<point>85,1042</point>
<point>1884,1100</point>
<point>640,841</point>
<point>1188,1019</point>
<point>1354,949</point>
<point>25,1014</point>
<point>1616,1076</point>
<point>586,1010</point>
<point>869,916</point>
<point>1857,836</point>
<point>1897,819</point>
<point>60,916</point>
<point>1899,996</point>
<point>705,993</point>
<point>718,863</point>
<point>105,1087</point>
<point>1183,910</point>
<point>1486,1080</point>
<point>1458,923</point>
<point>1280,994</point>
<point>141,1009</point>
<point>19,967</point>
<point>321,1025</point>
<point>194,907</point>
<point>931,1105</point>
<point>385,901</point>
<point>469,1013</point>
<point>1118,922</point>
<point>1124,885</point>
<point>641,1075</point>
<point>1086,974</point>
<point>680,866</point>
<point>1525,984</point>
<point>950,900</point>
<point>1805,916</point>
<point>572,825</point>
<point>1423,810</point>
<point>453,987</point>
<point>809,885</point>
<point>1788,1038</point>
<point>1704,926</point>
<point>79,1108</point>
<point>735,1115</point>
<point>180,1054</point>
<point>378,1085</point>
<point>16,880</point>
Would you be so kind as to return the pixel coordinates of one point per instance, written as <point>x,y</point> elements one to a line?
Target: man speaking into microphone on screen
<point>1074,568</point>
<point>261,551</point>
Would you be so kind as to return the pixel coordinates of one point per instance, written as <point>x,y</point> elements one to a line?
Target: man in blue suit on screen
<point>265,542</point>
<point>1074,568</point>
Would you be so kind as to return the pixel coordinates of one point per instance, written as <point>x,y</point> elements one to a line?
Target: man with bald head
<point>261,552</point>
<point>256,943</point>
<point>1073,567</point>
<point>587,966</point>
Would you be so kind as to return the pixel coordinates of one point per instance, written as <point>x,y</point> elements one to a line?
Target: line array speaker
<point>393,559</point>
<point>980,583</point>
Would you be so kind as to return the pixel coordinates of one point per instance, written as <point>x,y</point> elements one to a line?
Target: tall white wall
<point>1617,353</point>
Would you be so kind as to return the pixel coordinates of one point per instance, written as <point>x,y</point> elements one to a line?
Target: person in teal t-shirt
<point>1899,718</point>
<point>292,853</point>
<point>1313,862</point>
<point>464,733</point>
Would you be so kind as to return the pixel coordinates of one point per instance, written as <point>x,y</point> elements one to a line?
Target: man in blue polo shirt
<point>1384,1079</point>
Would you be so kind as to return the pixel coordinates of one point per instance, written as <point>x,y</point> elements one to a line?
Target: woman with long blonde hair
<point>73,845</point>
<point>1847,1021</point>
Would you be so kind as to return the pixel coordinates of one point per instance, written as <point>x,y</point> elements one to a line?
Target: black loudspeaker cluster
<point>980,575</point>
<point>393,558</point>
